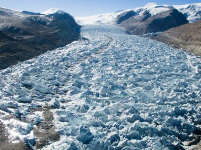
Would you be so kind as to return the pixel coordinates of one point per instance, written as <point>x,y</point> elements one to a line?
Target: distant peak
<point>53,11</point>
<point>151,5</point>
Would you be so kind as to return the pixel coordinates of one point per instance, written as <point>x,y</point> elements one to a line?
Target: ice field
<point>109,91</point>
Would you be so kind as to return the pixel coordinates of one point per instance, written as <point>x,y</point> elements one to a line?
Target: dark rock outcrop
<point>26,35</point>
<point>124,16</point>
<point>146,23</point>
<point>4,37</point>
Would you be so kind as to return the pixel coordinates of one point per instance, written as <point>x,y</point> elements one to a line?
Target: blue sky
<point>81,8</point>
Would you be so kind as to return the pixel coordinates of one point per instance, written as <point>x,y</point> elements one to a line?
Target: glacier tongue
<point>109,90</point>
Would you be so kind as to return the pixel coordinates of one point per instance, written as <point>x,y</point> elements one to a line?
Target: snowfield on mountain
<point>109,91</point>
<point>191,11</point>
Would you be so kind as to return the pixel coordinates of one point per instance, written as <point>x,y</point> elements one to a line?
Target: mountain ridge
<point>33,34</point>
<point>109,18</point>
<point>148,23</point>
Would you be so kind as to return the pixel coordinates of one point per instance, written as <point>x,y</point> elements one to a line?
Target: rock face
<point>185,36</point>
<point>147,23</point>
<point>26,35</point>
<point>124,16</point>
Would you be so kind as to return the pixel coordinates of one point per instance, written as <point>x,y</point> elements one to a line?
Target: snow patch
<point>53,11</point>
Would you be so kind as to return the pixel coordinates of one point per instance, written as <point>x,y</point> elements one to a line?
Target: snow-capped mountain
<point>53,11</point>
<point>149,19</point>
<point>25,34</point>
<point>110,18</point>
<point>191,11</point>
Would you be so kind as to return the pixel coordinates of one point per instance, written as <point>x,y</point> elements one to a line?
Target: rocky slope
<point>24,35</point>
<point>145,22</point>
<point>185,37</point>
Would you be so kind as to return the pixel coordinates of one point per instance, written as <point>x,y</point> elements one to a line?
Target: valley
<point>112,91</point>
<point>102,82</point>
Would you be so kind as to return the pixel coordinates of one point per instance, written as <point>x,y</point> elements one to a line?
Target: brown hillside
<point>186,37</point>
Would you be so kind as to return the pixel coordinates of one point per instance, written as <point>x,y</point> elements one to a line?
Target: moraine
<point>109,91</point>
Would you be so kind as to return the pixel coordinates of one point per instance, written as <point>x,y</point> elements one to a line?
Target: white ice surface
<point>110,90</point>
<point>96,19</point>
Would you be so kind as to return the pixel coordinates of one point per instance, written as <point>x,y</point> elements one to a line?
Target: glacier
<point>109,90</point>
